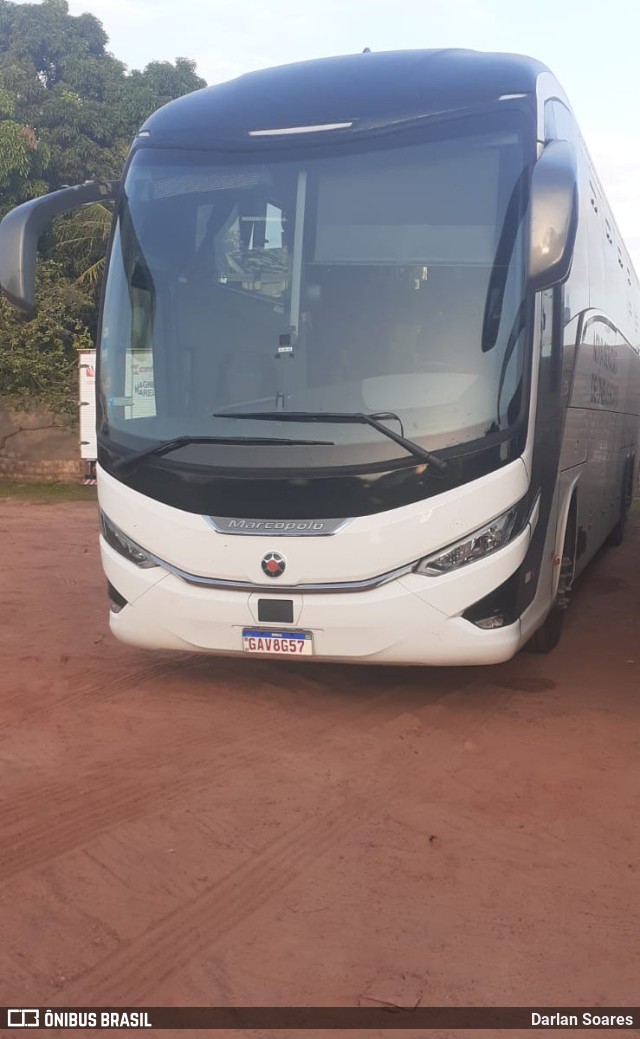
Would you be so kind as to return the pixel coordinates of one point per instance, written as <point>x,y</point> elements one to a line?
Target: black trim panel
<point>547,448</point>
<point>308,494</point>
<point>365,90</point>
<point>278,610</point>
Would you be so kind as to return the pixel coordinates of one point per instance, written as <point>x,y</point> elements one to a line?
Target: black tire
<point>549,633</point>
<point>616,537</point>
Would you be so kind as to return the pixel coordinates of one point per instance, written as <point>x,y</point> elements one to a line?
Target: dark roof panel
<point>387,85</point>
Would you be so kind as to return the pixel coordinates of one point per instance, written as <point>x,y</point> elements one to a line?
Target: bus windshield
<point>387,280</point>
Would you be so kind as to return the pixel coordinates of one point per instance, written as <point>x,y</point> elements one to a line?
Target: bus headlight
<point>124,546</point>
<point>481,543</point>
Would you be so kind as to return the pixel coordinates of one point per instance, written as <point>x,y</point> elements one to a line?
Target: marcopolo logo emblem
<point>293,528</point>
<point>273,564</point>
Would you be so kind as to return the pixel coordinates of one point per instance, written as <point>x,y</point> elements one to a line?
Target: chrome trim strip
<point>330,527</point>
<point>319,128</point>
<point>280,589</point>
<point>534,515</point>
<point>285,589</point>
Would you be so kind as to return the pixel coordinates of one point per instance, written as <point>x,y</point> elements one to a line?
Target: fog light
<point>117,602</point>
<point>497,620</point>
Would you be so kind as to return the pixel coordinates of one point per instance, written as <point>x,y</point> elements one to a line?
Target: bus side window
<point>597,242</point>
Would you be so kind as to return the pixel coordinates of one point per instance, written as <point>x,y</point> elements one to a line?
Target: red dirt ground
<point>180,830</point>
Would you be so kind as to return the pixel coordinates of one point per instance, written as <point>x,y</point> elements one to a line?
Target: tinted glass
<point>357,282</point>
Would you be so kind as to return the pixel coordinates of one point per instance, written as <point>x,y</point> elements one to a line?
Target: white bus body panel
<point>412,619</point>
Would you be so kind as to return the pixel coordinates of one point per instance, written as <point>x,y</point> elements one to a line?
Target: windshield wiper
<point>166,446</point>
<point>345,416</point>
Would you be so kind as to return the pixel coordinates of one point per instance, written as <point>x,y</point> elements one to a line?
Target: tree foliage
<point>68,112</point>
<point>81,240</point>
<point>38,358</point>
<point>160,83</point>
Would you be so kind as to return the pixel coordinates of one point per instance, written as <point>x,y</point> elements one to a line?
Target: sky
<point>592,47</point>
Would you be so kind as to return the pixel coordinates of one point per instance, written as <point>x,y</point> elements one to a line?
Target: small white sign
<point>140,385</point>
<point>88,440</point>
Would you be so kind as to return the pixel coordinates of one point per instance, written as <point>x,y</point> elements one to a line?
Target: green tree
<point>81,241</point>
<point>23,158</point>
<point>68,112</point>
<point>159,83</point>
<point>38,358</point>
<point>71,108</point>
<point>81,237</point>
<point>65,88</point>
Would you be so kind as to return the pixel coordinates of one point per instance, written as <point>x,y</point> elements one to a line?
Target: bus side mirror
<point>553,216</point>
<point>21,229</point>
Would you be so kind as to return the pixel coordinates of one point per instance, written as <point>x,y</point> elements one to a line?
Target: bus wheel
<point>616,537</point>
<point>549,633</point>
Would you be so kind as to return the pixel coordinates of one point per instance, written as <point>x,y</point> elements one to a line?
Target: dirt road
<point>181,830</point>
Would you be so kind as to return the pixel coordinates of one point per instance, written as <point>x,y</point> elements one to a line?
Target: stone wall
<point>36,445</point>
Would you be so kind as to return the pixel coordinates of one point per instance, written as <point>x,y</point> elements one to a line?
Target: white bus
<point>368,363</point>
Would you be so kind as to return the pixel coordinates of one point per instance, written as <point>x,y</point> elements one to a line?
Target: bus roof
<point>384,87</point>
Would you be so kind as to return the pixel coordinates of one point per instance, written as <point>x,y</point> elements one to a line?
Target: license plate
<point>277,643</point>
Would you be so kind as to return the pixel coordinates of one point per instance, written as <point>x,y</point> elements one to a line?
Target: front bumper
<point>410,620</point>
